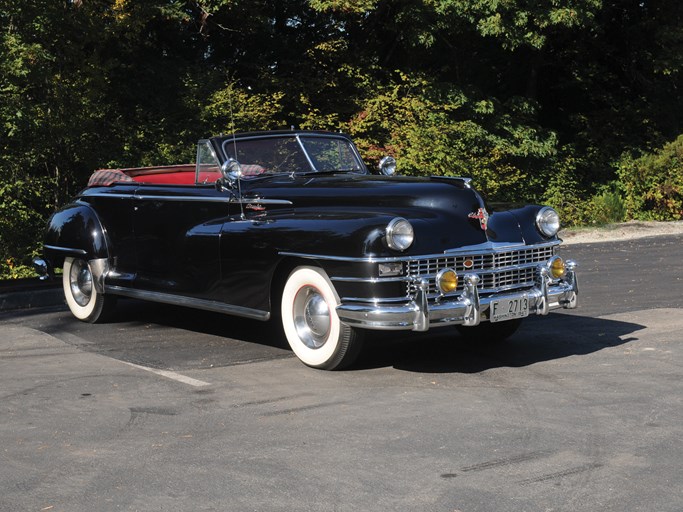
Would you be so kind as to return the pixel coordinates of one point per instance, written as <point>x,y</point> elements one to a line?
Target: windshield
<point>293,154</point>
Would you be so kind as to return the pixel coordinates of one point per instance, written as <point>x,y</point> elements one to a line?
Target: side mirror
<point>231,170</point>
<point>387,165</point>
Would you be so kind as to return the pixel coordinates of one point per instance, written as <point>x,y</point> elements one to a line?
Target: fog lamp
<point>557,267</point>
<point>447,280</point>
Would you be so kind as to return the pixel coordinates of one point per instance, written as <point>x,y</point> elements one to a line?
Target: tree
<point>536,101</point>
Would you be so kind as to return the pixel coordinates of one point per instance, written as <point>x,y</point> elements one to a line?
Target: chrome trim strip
<point>256,200</point>
<point>467,182</point>
<point>376,300</point>
<point>178,300</point>
<point>65,249</point>
<point>341,258</point>
<point>186,199</point>
<point>303,149</point>
<point>85,196</point>
<point>473,250</point>
<point>150,197</point>
<point>495,248</point>
<point>282,135</point>
<point>506,288</point>
<point>372,280</point>
<point>99,269</point>
<point>487,271</point>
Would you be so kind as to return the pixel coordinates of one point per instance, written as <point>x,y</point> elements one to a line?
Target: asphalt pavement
<point>177,409</point>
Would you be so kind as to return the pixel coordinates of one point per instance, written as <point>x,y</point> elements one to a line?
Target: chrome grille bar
<point>497,271</point>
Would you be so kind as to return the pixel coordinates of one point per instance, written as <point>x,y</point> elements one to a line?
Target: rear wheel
<point>84,301</point>
<point>488,332</point>
<point>310,321</point>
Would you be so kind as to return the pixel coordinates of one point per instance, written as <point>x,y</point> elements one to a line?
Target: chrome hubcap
<point>80,280</point>
<point>311,317</point>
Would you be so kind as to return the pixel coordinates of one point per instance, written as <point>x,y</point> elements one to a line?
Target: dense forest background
<point>572,103</point>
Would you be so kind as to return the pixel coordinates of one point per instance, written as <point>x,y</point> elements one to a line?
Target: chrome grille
<point>497,271</point>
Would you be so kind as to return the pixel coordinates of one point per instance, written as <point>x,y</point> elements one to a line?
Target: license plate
<point>508,309</point>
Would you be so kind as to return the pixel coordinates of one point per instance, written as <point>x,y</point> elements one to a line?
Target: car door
<point>177,232</point>
<point>177,236</point>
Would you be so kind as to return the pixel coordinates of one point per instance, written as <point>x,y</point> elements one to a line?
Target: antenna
<point>232,122</point>
<point>234,150</point>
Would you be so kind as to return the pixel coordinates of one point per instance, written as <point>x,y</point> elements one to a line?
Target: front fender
<point>526,218</point>
<point>75,230</point>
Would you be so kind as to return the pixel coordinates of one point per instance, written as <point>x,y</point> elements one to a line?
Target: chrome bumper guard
<point>469,308</point>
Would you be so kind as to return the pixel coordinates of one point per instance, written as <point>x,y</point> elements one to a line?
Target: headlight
<point>548,221</point>
<point>400,234</point>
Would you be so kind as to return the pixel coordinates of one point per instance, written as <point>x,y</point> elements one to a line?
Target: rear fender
<point>75,231</point>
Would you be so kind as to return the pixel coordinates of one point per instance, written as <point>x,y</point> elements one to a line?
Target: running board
<point>190,302</point>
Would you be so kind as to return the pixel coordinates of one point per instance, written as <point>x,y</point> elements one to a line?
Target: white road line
<point>171,375</point>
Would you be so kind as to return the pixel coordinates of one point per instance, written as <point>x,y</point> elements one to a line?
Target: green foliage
<point>606,207</point>
<point>534,100</point>
<point>356,6</point>
<point>521,23</point>
<point>24,207</point>
<point>237,109</point>
<point>564,191</point>
<point>653,183</point>
<point>436,129</point>
<point>10,270</point>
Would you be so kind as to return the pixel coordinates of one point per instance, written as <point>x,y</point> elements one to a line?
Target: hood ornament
<point>482,215</point>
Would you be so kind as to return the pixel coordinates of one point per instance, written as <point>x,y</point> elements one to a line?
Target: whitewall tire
<point>309,318</point>
<point>84,301</point>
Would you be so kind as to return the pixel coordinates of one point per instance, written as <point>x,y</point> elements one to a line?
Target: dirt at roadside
<point>625,231</point>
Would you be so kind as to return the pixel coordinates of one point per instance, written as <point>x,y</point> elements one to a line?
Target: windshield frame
<point>362,168</point>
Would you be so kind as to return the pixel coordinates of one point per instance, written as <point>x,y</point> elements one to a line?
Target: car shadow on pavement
<point>538,339</point>
<point>163,336</point>
<point>169,337</point>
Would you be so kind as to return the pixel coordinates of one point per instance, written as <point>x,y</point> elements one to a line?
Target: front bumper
<point>469,308</point>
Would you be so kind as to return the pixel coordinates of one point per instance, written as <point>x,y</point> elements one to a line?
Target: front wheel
<point>310,321</point>
<point>84,301</point>
<point>488,332</point>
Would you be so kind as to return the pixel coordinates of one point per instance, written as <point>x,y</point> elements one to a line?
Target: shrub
<point>653,183</point>
<point>606,207</point>
<point>433,128</point>
<point>24,208</point>
<point>564,191</point>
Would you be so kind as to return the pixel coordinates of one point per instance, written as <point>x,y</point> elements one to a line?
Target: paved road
<point>172,409</point>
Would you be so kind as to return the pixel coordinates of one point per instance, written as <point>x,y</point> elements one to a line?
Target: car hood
<point>361,190</point>
<point>445,212</point>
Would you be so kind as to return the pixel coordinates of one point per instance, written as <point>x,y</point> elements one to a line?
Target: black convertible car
<point>293,225</point>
